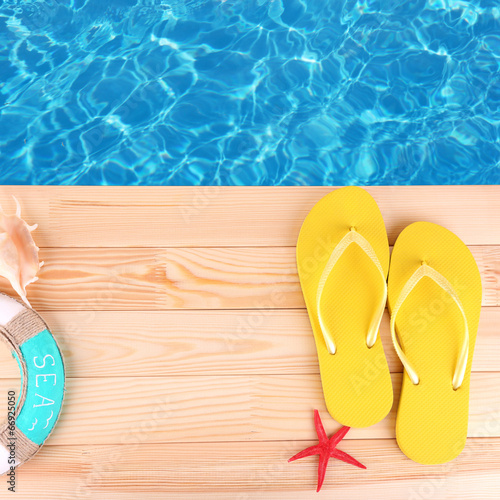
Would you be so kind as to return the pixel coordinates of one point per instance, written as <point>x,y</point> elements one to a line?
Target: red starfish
<point>326,448</point>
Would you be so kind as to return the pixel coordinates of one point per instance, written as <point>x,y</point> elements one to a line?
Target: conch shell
<point>18,253</point>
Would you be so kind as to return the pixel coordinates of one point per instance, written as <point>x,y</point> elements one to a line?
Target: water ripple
<point>249,92</point>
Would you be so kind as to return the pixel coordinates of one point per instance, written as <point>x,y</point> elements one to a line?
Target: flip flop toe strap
<point>351,237</point>
<point>421,272</point>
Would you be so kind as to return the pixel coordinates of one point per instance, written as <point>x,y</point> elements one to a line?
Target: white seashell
<point>18,253</point>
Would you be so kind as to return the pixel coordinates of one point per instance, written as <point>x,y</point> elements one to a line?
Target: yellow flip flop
<point>434,294</point>
<point>343,260</point>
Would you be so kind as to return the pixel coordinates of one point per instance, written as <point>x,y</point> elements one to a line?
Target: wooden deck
<point>191,366</point>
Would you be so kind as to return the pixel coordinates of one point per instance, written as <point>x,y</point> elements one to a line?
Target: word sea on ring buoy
<point>39,403</point>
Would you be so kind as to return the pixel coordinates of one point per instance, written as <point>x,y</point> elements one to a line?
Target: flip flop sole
<point>356,380</point>
<point>432,418</point>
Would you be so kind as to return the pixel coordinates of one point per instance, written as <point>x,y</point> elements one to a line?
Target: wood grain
<point>104,343</point>
<point>234,216</point>
<point>255,470</point>
<point>197,409</point>
<point>189,278</point>
<point>219,391</point>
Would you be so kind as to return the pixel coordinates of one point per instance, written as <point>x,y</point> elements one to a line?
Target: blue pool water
<point>249,92</point>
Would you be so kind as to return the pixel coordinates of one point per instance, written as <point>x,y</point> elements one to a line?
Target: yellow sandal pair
<point>433,293</point>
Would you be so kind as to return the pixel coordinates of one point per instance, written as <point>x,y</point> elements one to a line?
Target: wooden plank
<point>188,278</point>
<point>255,470</point>
<point>105,343</point>
<point>234,216</point>
<point>223,408</point>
